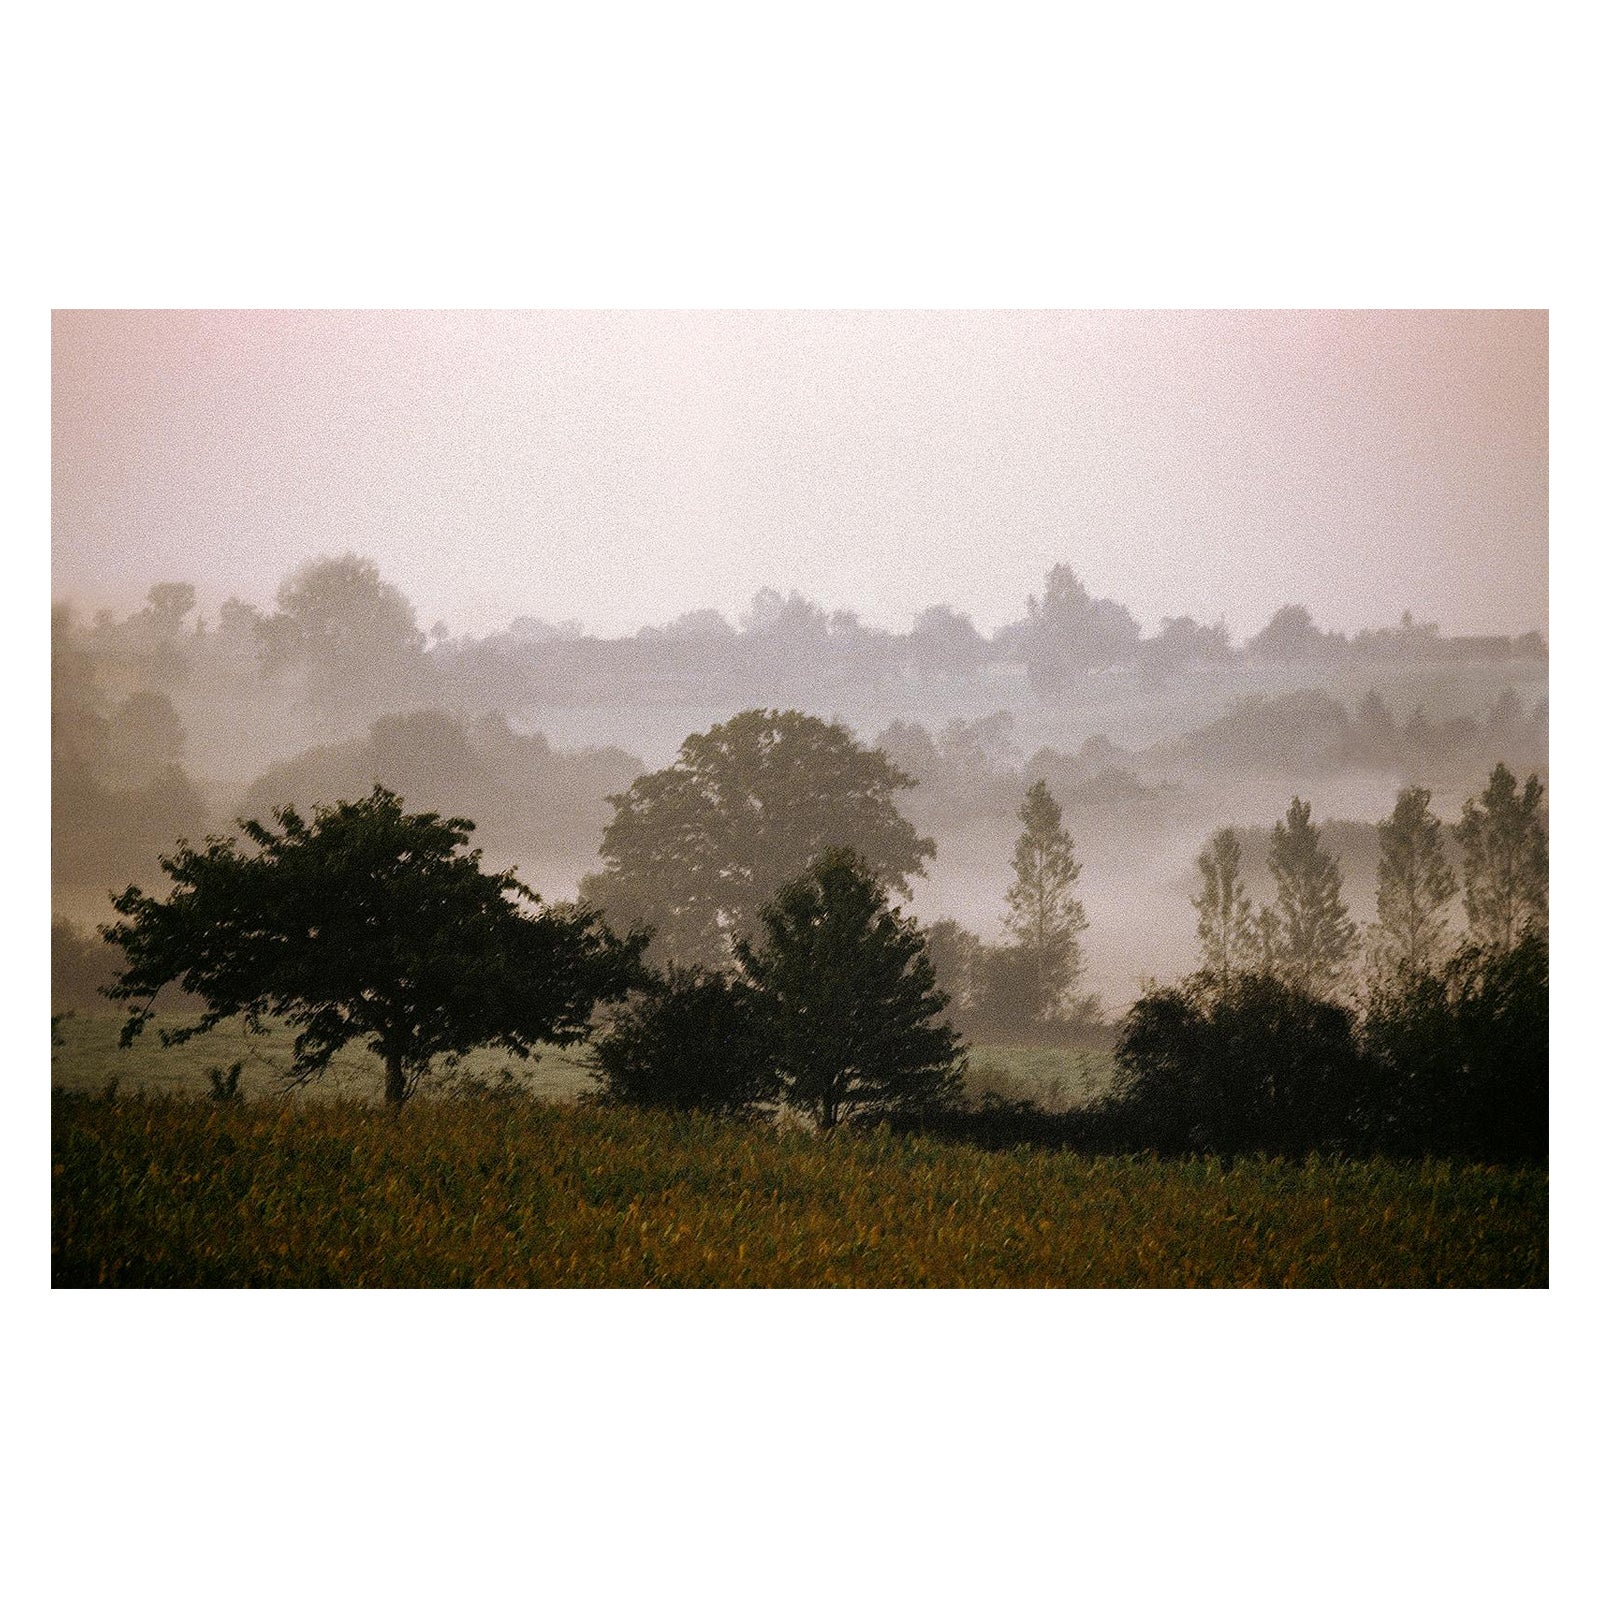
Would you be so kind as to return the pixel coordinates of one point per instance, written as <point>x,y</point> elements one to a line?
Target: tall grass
<point>163,1191</point>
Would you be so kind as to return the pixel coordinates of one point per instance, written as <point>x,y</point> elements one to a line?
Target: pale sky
<point>621,468</point>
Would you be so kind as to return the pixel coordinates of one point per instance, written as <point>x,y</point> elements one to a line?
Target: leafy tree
<point>1506,860</point>
<point>1415,884</point>
<point>694,1040</point>
<point>1068,632</point>
<point>1462,1054</point>
<point>957,956</point>
<point>1223,905</point>
<point>696,850</point>
<point>854,999</point>
<point>347,630</point>
<point>1042,914</point>
<point>365,923</point>
<point>1317,932</point>
<point>1257,1066</point>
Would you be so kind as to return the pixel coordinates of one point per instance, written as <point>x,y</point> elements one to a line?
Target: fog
<point>171,723</point>
<point>1181,567</point>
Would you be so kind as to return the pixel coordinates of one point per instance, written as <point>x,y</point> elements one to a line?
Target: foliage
<point>1042,914</point>
<point>854,999</point>
<point>1069,632</point>
<point>273,1193</point>
<point>696,850</point>
<point>343,628</point>
<point>365,923</point>
<point>1223,905</point>
<point>225,1081</point>
<point>693,1040</point>
<point>1463,1054</point>
<point>1415,885</point>
<point>1317,935</point>
<point>1506,860</point>
<point>1253,1066</point>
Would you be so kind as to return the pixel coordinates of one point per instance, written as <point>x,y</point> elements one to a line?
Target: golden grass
<point>165,1191</point>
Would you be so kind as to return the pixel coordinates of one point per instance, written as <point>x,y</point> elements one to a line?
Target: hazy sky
<point>621,468</point>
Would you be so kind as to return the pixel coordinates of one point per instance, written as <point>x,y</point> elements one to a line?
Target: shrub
<point>695,1040</point>
<point>1251,1066</point>
<point>1462,1056</point>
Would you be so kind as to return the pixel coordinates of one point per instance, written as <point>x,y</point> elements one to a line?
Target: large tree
<point>1505,861</point>
<point>352,637</point>
<point>1224,907</point>
<point>694,851</point>
<point>1042,914</point>
<point>365,923</point>
<point>1317,933</point>
<point>1415,886</point>
<point>852,997</point>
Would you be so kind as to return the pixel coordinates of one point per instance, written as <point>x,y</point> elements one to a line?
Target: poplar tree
<point>1043,915</point>
<point>1223,905</point>
<point>1317,932</point>
<point>1505,861</point>
<point>1415,886</point>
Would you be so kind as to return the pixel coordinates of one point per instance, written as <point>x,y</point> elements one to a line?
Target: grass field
<point>89,1059</point>
<point>174,1191</point>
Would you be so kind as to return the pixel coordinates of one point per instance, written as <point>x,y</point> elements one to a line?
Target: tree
<point>694,1040</point>
<point>350,633</point>
<point>1505,860</point>
<point>1462,1054</point>
<point>1318,934</point>
<point>365,923</point>
<point>1042,915</point>
<point>1068,632</point>
<point>854,999</point>
<point>1258,1066</point>
<point>1415,884</point>
<point>1223,905</point>
<point>696,850</point>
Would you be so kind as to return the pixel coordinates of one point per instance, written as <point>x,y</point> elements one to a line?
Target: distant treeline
<point>344,637</point>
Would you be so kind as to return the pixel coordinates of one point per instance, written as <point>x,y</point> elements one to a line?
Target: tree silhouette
<point>696,850</point>
<point>1223,905</point>
<point>694,1040</point>
<point>1415,884</point>
<point>1042,914</point>
<point>365,923</point>
<point>1505,861</point>
<point>853,999</point>
<point>344,628</point>
<point>1317,932</point>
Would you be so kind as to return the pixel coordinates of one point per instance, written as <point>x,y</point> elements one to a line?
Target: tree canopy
<point>1317,935</point>
<point>696,850</point>
<point>1505,860</point>
<point>1415,887</point>
<point>1042,914</point>
<point>365,923</point>
<point>852,999</point>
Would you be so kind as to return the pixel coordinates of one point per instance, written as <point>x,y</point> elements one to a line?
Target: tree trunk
<point>394,1081</point>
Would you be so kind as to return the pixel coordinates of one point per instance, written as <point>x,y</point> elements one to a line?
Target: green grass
<point>171,1191</point>
<point>89,1059</point>
<point>1053,1077</point>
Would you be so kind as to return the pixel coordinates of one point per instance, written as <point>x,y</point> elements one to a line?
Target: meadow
<point>88,1059</point>
<point>164,1190</point>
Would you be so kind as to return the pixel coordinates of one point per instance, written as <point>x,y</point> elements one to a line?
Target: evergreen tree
<point>1317,931</point>
<point>1043,916</point>
<point>1223,905</point>
<point>1415,885</point>
<point>851,999</point>
<point>1506,861</point>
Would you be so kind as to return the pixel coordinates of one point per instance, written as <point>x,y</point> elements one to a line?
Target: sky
<point>620,468</point>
